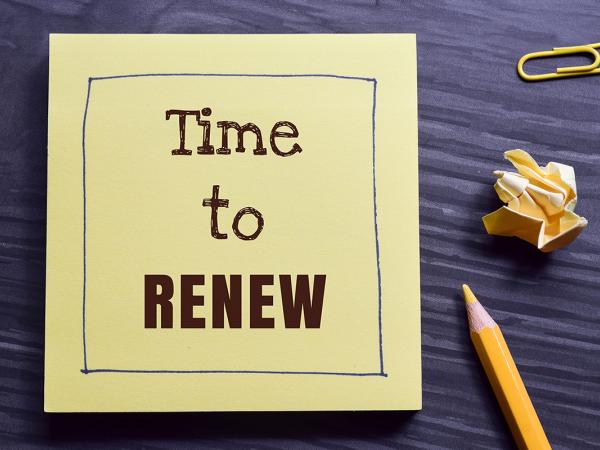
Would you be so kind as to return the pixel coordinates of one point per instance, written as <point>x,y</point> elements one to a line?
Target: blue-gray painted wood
<point>472,107</point>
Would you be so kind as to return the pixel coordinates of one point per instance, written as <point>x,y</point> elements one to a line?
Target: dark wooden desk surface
<point>472,107</point>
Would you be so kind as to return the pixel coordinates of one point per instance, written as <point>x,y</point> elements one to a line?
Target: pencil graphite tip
<point>468,293</point>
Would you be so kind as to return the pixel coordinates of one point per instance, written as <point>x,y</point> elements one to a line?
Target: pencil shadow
<point>106,427</point>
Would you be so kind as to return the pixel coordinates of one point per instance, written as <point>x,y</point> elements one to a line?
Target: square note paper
<point>232,223</point>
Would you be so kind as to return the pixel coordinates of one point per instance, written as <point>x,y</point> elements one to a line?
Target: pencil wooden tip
<point>468,293</point>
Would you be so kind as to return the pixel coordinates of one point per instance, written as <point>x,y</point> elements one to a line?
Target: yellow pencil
<point>504,376</point>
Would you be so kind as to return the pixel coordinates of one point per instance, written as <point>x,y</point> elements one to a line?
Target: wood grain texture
<point>472,107</point>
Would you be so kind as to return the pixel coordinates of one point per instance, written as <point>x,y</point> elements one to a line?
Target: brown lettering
<point>205,148</point>
<point>225,299</point>
<point>189,300</point>
<point>260,223</point>
<point>294,305</point>
<point>182,113</point>
<point>227,125</point>
<point>258,300</point>
<point>215,203</point>
<point>152,299</point>
<point>284,134</point>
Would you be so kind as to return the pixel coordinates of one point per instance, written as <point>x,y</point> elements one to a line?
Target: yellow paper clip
<point>562,72</point>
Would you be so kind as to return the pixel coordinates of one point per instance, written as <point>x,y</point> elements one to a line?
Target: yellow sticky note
<point>232,223</point>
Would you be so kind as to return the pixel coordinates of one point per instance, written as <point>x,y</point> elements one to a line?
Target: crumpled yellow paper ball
<point>539,203</point>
